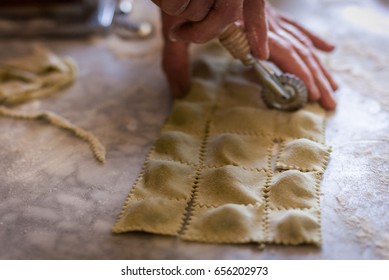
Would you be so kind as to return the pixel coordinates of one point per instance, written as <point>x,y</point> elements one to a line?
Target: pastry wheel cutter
<point>282,91</point>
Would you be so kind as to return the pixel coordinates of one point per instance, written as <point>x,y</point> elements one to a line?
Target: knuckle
<point>285,44</point>
<point>174,8</point>
<point>305,53</point>
<point>195,16</point>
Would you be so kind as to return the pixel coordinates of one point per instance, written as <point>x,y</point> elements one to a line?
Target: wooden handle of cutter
<point>234,39</point>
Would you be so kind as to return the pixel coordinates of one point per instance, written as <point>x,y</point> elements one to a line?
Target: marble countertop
<point>57,202</point>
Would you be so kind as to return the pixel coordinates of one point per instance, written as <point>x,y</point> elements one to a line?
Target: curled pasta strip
<point>43,81</point>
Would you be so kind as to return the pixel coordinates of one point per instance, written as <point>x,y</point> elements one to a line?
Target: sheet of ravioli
<point>226,169</point>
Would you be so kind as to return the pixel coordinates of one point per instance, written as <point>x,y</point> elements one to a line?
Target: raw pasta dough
<point>226,169</point>
<point>36,76</point>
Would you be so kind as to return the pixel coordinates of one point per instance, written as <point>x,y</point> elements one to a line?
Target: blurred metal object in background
<point>130,29</point>
<point>126,6</point>
<point>20,18</point>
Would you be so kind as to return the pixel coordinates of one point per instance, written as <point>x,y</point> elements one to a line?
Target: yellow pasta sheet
<point>226,169</point>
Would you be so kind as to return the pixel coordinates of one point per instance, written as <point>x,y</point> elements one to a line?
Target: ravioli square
<point>152,214</point>
<point>177,146</point>
<point>293,189</point>
<point>210,176</point>
<point>293,227</point>
<point>228,223</point>
<point>165,179</point>
<point>303,154</point>
<point>240,92</point>
<point>188,117</point>
<point>230,184</point>
<point>299,124</point>
<point>201,91</point>
<point>234,149</point>
<point>242,120</point>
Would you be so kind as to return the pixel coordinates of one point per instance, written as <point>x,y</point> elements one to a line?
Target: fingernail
<point>328,103</point>
<point>172,36</point>
<point>331,106</point>
<point>330,47</point>
<point>173,33</point>
<point>334,85</point>
<point>263,53</point>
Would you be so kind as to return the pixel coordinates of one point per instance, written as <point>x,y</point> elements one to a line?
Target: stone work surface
<point>57,202</point>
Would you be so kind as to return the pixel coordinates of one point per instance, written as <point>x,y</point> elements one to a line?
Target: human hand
<point>198,21</point>
<point>292,49</point>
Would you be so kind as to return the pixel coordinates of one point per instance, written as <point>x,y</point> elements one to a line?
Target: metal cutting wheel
<point>295,89</point>
<point>284,92</point>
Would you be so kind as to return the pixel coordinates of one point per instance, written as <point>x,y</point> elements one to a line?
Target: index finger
<point>255,22</point>
<point>318,42</point>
